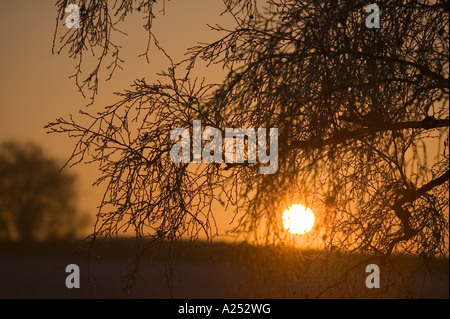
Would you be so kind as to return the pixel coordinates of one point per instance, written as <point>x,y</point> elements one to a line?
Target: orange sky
<point>35,85</point>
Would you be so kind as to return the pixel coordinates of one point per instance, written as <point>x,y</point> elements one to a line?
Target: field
<point>204,270</point>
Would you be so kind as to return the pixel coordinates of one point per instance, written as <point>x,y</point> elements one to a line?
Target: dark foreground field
<point>203,271</point>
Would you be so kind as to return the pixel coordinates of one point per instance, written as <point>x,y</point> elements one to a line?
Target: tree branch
<point>345,135</point>
<point>415,194</point>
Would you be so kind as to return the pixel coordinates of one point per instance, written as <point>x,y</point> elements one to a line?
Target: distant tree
<point>37,201</point>
<point>358,111</point>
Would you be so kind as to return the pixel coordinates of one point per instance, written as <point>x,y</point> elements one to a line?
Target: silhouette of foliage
<point>37,201</point>
<point>357,111</point>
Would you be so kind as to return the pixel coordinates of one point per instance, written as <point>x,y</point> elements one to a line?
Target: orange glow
<point>298,219</point>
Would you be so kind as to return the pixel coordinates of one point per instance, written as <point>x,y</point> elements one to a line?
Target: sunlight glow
<point>298,219</point>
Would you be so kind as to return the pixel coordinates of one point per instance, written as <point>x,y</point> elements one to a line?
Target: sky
<point>36,89</point>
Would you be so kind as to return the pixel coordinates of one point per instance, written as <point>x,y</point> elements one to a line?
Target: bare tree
<point>357,111</point>
<point>37,201</point>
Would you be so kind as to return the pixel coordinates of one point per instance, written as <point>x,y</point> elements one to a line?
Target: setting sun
<point>298,219</point>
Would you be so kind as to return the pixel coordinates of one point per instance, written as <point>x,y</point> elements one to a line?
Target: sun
<point>298,219</point>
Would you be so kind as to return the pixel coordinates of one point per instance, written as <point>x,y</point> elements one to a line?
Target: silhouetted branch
<point>345,136</point>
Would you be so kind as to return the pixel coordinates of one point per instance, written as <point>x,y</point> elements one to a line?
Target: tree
<point>357,111</point>
<point>37,201</point>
